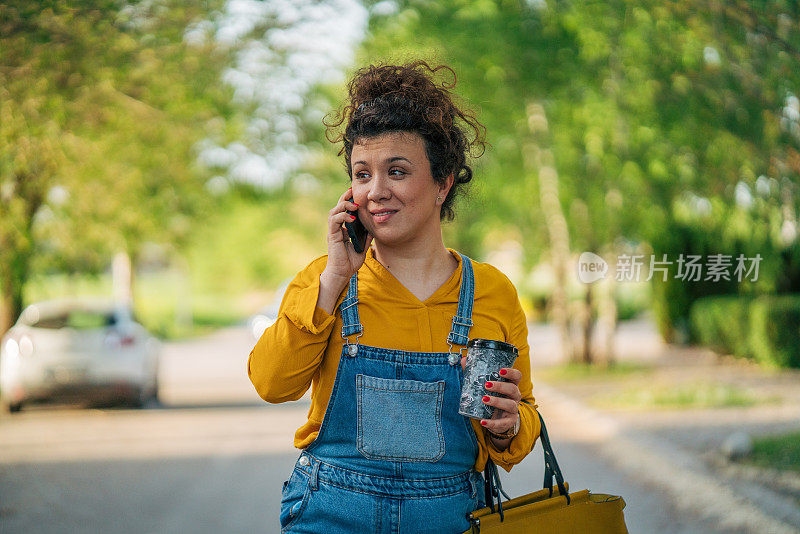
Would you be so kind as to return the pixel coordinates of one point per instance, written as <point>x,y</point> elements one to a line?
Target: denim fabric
<point>393,454</point>
<point>416,407</point>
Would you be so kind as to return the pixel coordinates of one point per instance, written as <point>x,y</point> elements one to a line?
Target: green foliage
<point>652,109</point>
<point>655,115</point>
<point>578,372</point>
<point>775,331</point>
<point>162,300</point>
<point>108,101</point>
<point>693,395</point>
<point>723,323</point>
<point>276,236</point>
<point>632,299</point>
<point>765,328</point>
<point>777,452</point>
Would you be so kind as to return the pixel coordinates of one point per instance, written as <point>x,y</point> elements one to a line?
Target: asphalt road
<point>213,456</point>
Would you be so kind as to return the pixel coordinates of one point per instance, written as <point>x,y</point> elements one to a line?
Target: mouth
<point>382,215</point>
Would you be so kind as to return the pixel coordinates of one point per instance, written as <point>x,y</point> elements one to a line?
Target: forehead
<point>375,149</point>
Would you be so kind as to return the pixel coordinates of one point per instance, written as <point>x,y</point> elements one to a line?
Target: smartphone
<point>357,232</point>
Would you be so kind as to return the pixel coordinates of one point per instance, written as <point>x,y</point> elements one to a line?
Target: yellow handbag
<point>551,509</point>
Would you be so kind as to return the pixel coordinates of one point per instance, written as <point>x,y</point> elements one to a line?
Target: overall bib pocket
<point>399,420</point>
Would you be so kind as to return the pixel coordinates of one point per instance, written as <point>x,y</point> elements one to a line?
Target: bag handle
<point>551,468</point>
<point>493,488</point>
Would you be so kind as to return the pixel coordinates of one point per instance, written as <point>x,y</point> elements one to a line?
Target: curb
<point>689,482</point>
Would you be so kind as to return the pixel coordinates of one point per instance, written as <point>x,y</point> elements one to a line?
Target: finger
<point>507,405</point>
<point>344,205</point>
<point>345,236</point>
<point>463,362</point>
<point>506,388</point>
<point>348,205</point>
<point>346,195</point>
<point>512,374</point>
<point>499,426</point>
<point>345,202</point>
<point>337,220</point>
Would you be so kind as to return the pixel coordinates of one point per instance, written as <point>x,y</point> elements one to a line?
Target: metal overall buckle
<point>453,358</point>
<point>352,348</point>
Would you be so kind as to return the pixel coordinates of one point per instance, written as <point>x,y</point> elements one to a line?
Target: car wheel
<point>152,399</point>
<point>7,406</point>
<point>145,397</point>
<point>137,399</point>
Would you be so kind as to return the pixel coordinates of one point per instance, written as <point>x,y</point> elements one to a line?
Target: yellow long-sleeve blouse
<point>303,346</point>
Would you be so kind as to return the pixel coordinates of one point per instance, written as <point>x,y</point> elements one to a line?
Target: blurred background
<point>164,172</point>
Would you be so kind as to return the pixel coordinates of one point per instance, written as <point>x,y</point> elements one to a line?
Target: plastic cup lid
<point>492,344</point>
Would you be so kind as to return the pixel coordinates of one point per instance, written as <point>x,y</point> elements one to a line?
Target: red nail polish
<point>353,217</point>
<point>486,398</point>
<point>503,372</point>
<point>356,204</point>
<point>483,423</point>
<point>488,384</point>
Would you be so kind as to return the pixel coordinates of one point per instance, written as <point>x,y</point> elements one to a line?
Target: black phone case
<point>357,232</point>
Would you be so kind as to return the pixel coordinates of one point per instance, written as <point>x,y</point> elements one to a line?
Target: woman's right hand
<point>343,260</point>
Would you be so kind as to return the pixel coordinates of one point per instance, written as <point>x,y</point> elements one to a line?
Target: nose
<point>379,189</point>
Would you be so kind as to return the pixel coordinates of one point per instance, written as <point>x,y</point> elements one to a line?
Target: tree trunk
<point>10,302</point>
<point>587,326</point>
<point>542,161</point>
<point>183,309</point>
<point>14,272</point>
<point>122,278</point>
<point>607,315</point>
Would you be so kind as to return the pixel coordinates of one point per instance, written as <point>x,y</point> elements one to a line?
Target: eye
<point>362,175</point>
<point>399,171</point>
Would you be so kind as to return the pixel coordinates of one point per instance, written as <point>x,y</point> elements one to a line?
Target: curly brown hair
<point>405,98</point>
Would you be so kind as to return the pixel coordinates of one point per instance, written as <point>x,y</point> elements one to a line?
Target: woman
<point>380,334</point>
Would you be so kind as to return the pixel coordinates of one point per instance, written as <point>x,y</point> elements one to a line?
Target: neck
<point>424,258</point>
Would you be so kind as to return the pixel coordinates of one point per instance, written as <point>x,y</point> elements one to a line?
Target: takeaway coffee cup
<point>485,358</point>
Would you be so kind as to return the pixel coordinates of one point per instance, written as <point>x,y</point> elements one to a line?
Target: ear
<point>444,188</point>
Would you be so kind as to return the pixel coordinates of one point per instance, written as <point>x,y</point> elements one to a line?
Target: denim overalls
<point>393,454</point>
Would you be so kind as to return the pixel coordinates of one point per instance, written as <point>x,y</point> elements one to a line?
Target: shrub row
<point>765,328</point>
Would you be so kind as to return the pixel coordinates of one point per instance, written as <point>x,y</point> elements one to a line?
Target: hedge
<point>765,328</point>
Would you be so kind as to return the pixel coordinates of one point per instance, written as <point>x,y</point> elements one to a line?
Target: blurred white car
<point>78,349</point>
<point>267,315</point>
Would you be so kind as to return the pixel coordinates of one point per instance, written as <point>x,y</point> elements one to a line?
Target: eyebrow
<point>388,160</point>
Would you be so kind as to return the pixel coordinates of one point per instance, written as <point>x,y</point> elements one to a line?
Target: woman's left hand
<point>506,410</point>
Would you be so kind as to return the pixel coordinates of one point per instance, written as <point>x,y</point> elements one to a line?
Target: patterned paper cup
<point>485,358</point>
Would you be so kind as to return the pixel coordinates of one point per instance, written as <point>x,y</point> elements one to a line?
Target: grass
<point>777,452</point>
<point>574,372</point>
<point>692,395</point>
<point>636,386</point>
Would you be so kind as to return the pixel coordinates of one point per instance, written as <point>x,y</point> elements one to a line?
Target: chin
<point>391,239</point>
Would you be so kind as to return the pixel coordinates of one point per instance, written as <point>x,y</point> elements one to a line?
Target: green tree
<point>106,101</point>
<point>658,116</point>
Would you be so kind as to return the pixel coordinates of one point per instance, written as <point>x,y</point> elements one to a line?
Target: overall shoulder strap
<point>349,308</point>
<point>462,320</point>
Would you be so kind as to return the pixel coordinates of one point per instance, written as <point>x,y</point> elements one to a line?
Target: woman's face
<point>393,186</point>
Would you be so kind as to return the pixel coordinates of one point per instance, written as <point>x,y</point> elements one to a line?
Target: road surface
<point>213,456</point>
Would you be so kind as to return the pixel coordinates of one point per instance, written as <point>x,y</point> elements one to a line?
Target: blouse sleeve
<point>288,354</point>
<point>530,427</point>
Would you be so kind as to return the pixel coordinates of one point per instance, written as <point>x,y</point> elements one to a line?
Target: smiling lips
<point>383,215</point>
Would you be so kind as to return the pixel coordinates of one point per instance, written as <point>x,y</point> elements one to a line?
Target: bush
<point>722,323</point>
<point>777,452</point>
<point>765,329</point>
<point>775,331</point>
